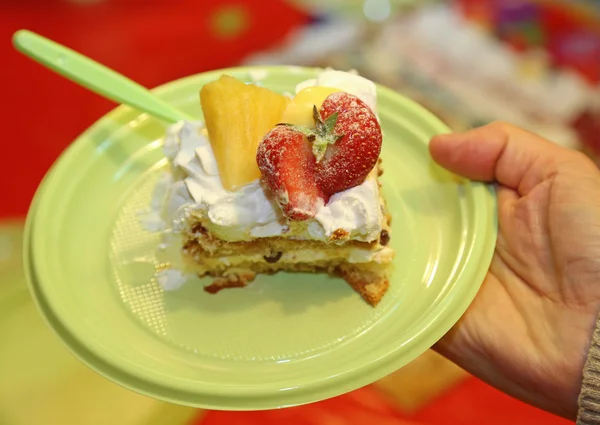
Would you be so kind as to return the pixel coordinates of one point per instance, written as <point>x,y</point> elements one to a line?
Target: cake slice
<point>269,184</point>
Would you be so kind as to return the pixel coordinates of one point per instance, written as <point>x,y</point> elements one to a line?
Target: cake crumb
<point>339,235</point>
<point>238,280</point>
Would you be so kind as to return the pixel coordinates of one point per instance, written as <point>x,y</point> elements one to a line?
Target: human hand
<point>529,328</point>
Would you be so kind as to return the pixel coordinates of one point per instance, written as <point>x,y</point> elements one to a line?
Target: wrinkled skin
<point>529,328</point>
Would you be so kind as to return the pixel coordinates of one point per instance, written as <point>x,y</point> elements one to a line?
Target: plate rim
<point>317,390</point>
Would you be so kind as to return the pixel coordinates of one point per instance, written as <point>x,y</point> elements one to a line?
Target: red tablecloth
<point>151,41</point>
<point>471,403</point>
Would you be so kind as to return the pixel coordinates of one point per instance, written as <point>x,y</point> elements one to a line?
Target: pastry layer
<point>364,265</point>
<point>370,280</point>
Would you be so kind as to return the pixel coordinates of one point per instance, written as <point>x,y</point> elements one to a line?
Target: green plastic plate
<point>286,340</point>
<point>40,382</point>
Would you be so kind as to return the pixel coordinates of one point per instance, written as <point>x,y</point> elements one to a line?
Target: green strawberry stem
<point>325,133</point>
<point>322,136</point>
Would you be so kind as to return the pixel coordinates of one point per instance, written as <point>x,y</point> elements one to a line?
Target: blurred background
<point>534,63</point>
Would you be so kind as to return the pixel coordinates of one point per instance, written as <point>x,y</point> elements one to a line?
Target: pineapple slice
<point>237,117</point>
<point>300,109</point>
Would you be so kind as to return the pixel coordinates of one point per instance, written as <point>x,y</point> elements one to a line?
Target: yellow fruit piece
<point>237,117</point>
<point>300,109</point>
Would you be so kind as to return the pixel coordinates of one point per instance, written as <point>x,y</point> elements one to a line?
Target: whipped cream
<point>250,212</point>
<point>171,279</point>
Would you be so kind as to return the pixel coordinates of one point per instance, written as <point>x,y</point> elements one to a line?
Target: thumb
<point>500,152</point>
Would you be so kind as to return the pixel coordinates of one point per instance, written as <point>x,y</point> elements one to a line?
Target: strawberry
<point>302,166</point>
<point>347,153</point>
<point>287,164</point>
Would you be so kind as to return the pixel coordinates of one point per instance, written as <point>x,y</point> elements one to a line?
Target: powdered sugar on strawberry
<point>287,164</point>
<point>348,161</point>
<point>303,166</point>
